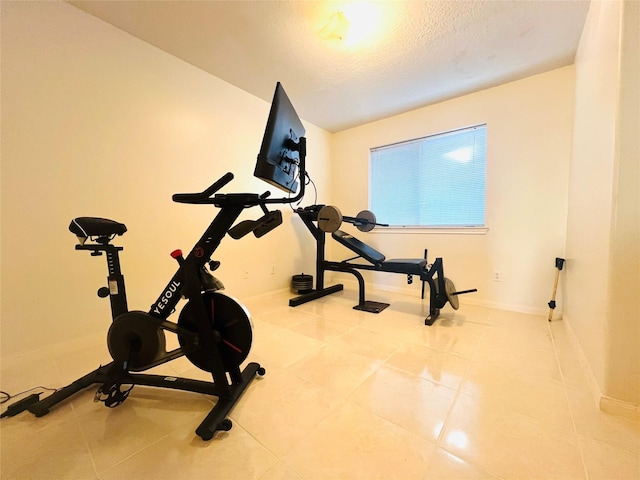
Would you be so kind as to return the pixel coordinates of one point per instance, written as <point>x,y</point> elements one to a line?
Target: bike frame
<point>185,282</point>
<point>231,206</point>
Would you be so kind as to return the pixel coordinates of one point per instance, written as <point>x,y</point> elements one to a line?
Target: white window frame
<point>438,229</point>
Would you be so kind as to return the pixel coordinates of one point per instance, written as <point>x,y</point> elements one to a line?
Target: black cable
<point>307,180</point>
<point>315,189</point>
<point>5,397</point>
<point>23,404</point>
<point>295,178</point>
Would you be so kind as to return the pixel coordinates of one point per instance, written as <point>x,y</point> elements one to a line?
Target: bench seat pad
<point>413,266</point>
<point>410,266</point>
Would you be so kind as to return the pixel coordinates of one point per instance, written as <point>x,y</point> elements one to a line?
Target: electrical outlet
<point>497,276</point>
<point>273,269</point>
<point>245,274</point>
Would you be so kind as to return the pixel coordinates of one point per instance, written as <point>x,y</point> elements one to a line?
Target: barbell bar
<point>330,218</point>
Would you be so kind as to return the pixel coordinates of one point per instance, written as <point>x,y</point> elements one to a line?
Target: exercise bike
<point>213,330</point>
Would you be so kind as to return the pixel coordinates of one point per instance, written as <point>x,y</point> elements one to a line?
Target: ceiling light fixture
<point>337,28</point>
<point>353,24</point>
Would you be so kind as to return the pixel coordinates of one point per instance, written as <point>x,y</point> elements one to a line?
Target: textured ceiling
<point>421,52</point>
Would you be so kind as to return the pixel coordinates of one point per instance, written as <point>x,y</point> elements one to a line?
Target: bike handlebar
<point>205,195</point>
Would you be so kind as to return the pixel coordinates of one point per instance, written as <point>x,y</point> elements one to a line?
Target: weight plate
<point>450,289</point>
<point>329,219</point>
<point>368,219</point>
<point>302,283</point>
<point>230,320</point>
<point>136,338</point>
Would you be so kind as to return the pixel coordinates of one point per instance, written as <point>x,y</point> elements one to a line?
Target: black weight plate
<point>369,222</point>
<point>230,320</point>
<point>136,338</point>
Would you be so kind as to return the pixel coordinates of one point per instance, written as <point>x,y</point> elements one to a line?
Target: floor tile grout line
<point>132,455</point>
<point>566,396</point>
<point>350,393</point>
<point>76,418</point>
<point>453,405</point>
<point>266,447</point>
<point>455,398</point>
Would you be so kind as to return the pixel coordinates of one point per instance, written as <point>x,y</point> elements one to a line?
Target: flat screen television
<point>279,155</point>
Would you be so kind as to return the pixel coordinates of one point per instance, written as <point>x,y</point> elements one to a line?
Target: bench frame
<point>431,274</point>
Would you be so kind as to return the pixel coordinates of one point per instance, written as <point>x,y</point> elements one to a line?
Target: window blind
<point>435,181</point>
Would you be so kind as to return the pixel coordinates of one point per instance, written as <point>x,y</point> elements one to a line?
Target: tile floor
<point>483,393</point>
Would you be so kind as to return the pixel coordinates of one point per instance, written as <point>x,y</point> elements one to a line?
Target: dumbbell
<point>330,218</point>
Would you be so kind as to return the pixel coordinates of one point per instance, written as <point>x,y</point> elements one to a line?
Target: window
<point>435,181</point>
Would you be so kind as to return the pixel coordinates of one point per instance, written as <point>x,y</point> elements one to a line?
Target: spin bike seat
<point>96,227</point>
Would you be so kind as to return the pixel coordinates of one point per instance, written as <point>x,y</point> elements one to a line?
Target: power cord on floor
<point>21,405</point>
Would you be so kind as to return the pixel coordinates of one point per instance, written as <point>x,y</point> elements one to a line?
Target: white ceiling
<point>422,52</point>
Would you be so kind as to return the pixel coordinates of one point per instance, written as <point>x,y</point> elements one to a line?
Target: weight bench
<point>441,289</point>
<point>408,266</point>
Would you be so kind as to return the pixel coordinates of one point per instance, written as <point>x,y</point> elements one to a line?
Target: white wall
<point>624,344</point>
<point>529,127</point>
<point>98,123</point>
<point>603,230</point>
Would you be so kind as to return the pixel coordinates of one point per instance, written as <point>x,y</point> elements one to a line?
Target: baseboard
<point>606,404</point>
<point>620,408</point>
<point>350,282</point>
